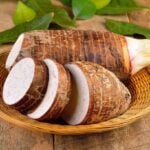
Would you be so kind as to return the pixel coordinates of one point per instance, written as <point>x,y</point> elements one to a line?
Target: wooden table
<point>133,137</point>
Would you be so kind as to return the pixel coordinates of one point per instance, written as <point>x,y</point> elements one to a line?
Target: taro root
<point>57,95</point>
<point>44,91</point>
<point>25,85</point>
<point>97,94</point>
<point>122,55</point>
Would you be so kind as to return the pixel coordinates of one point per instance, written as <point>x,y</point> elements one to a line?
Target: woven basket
<point>139,86</point>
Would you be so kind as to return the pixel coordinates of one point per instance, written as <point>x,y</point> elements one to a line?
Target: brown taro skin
<point>108,96</point>
<point>62,97</point>
<point>105,48</point>
<point>37,89</point>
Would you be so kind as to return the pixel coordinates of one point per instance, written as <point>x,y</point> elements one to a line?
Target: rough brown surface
<point>132,137</point>
<point>67,45</point>
<point>107,93</point>
<point>62,97</point>
<point>37,89</point>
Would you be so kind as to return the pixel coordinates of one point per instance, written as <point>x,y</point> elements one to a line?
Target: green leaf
<point>101,3</point>
<point>83,9</point>
<point>119,7</point>
<point>23,13</point>
<point>41,7</point>
<point>36,24</point>
<point>125,28</point>
<point>66,2</point>
<point>62,18</point>
<point>123,3</point>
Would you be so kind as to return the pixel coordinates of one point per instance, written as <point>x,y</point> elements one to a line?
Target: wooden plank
<point>142,147</point>
<point>6,11</point>
<point>130,137</point>
<point>96,23</point>
<point>141,17</point>
<point>15,138</point>
<point>95,141</point>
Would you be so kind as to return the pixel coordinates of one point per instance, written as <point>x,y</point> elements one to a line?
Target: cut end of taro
<point>76,111</point>
<point>14,52</point>
<point>139,51</point>
<point>50,94</point>
<point>18,81</point>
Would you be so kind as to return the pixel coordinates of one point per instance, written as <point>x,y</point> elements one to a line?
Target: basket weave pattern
<point>139,86</point>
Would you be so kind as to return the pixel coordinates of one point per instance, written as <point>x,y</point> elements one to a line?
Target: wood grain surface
<point>133,137</point>
<point>141,17</point>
